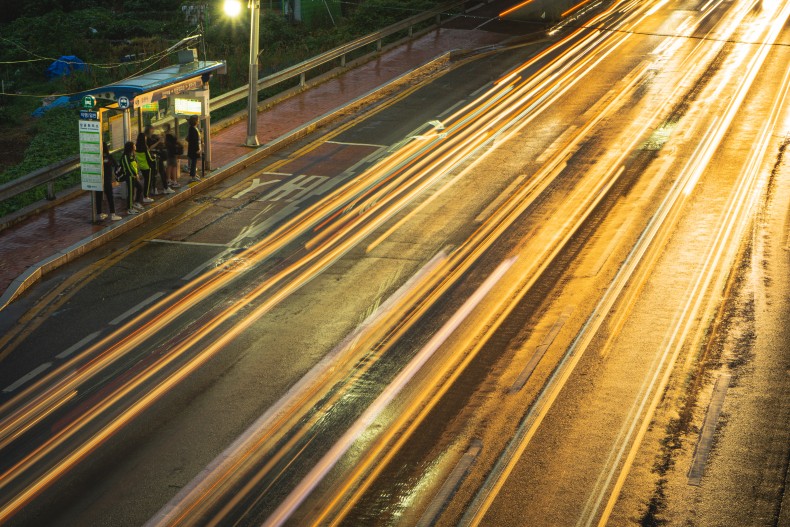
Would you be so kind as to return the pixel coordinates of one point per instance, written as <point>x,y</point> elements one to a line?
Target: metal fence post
<point>51,190</point>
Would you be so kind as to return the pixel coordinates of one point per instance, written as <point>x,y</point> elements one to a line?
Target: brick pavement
<point>66,230</point>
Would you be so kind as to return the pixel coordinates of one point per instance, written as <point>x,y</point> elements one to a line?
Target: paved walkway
<point>47,240</point>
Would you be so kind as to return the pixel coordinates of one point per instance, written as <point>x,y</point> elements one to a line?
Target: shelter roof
<point>168,80</point>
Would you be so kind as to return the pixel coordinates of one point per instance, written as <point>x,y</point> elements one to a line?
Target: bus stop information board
<point>90,150</point>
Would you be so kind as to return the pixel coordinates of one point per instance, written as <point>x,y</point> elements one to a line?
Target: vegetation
<point>120,38</point>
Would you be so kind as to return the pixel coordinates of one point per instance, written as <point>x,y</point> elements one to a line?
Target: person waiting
<point>134,187</point>
<point>156,147</point>
<point>173,149</point>
<point>193,148</point>
<point>110,165</point>
<point>144,162</point>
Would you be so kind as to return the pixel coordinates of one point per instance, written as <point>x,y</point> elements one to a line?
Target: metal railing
<point>48,175</point>
<point>339,52</point>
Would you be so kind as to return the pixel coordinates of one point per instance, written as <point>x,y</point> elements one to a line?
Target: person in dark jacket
<point>156,147</point>
<point>173,149</point>
<point>110,164</point>
<point>193,148</point>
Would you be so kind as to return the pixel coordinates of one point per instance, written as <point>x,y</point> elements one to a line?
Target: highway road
<point>545,286</point>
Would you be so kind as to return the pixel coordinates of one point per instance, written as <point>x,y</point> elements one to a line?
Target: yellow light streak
<point>514,8</point>
<point>473,133</point>
<point>575,8</point>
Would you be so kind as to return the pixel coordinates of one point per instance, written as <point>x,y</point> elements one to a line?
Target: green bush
<point>56,138</point>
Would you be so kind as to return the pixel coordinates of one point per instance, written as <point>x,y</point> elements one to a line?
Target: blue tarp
<point>60,101</point>
<point>64,66</point>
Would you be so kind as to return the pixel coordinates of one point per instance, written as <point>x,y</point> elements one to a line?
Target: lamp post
<point>233,8</point>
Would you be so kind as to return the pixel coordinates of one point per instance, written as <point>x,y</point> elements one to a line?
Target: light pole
<point>233,8</point>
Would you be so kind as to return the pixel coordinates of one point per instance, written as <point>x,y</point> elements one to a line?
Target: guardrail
<point>339,52</point>
<point>48,175</point>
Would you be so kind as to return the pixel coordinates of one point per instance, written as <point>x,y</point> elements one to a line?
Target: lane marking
<point>255,183</point>
<point>26,378</point>
<point>563,138</point>
<point>452,108</point>
<point>68,351</point>
<point>541,350</point>
<point>178,242</point>
<point>120,318</point>
<point>451,484</point>
<point>295,189</point>
<point>501,198</point>
<point>609,250</point>
<point>354,144</point>
<point>480,90</point>
<point>705,442</point>
<point>199,269</point>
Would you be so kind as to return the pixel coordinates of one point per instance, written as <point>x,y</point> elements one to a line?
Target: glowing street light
<point>233,8</point>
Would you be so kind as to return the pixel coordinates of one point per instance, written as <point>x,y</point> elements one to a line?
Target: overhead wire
<point>108,65</point>
<point>154,59</point>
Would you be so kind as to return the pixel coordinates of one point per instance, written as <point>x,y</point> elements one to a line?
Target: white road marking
<point>609,250</point>
<point>197,270</point>
<point>178,242</point>
<point>541,350</point>
<point>151,299</point>
<point>486,213</point>
<point>68,351</point>
<point>255,183</point>
<point>302,185</point>
<point>27,378</point>
<point>556,145</point>
<point>451,484</point>
<point>354,144</point>
<point>451,108</point>
<point>480,90</point>
<point>708,429</point>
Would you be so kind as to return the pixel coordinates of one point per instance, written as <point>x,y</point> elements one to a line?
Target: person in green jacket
<point>134,197</point>
<point>145,162</point>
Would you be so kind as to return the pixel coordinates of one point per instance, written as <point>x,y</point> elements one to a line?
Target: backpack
<point>120,175</point>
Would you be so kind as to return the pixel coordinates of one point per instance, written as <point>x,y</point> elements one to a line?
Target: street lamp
<point>233,8</point>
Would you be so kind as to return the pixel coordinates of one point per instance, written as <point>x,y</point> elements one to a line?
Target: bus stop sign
<point>123,102</point>
<point>88,102</point>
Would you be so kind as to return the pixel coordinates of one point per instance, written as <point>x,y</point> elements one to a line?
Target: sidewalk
<point>42,243</point>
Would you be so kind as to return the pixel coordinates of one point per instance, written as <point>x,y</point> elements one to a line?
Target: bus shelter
<point>116,113</point>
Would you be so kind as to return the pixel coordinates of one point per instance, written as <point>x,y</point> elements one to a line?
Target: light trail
<point>483,501</point>
<point>383,190</point>
<point>525,205</point>
<point>514,8</point>
<point>172,307</point>
<point>308,483</point>
<point>575,8</point>
<point>742,203</point>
